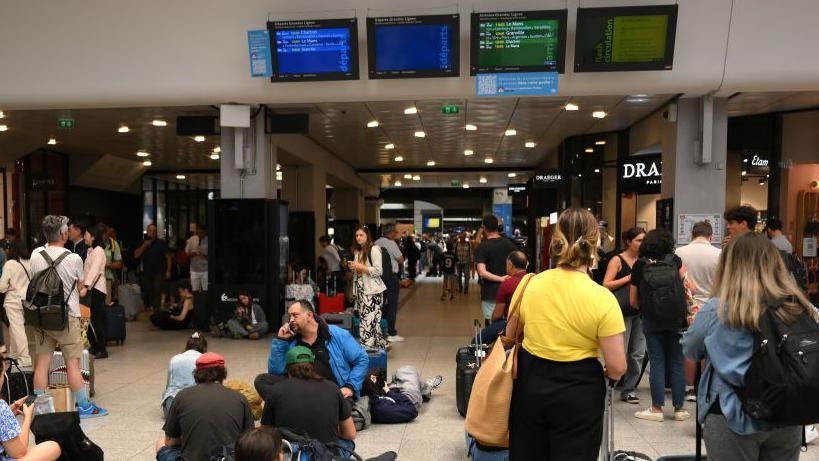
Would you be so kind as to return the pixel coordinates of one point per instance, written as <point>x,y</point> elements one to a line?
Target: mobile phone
<point>30,399</point>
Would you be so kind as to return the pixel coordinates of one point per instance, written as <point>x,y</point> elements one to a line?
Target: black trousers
<point>97,340</point>
<point>557,410</point>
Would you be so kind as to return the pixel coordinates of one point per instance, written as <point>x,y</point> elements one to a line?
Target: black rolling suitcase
<point>467,362</point>
<point>115,323</point>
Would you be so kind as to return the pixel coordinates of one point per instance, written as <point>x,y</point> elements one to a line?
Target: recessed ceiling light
<point>465,185</point>
<point>530,144</point>
<point>511,132</point>
<point>398,183</point>
<point>147,163</point>
<point>278,167</point>
<point>411,110</point>
<point>407,176</point>
<point>52,141</point>
<point>199,138</point>
<point>470,127</point>
<point>372,124</point>
<point>571,106</point>
<point>597,170</point>
<point>214,156</point>
<point>2,115</point>
<point>217,149</point>
<point>142,153</point>
<point>389,146</point>
<point>431,163</point>
<point>599,114</point>
<point>399,158</point>
<point>601,142</point>
<point>579,175</point>
<point>468,152</point>
<point>488,160</point>
<point>4,128</point>
<point>511,175</point>
<point>483,180</point>
<point>180,176</point>
<point>420,134</point>
<point>416,178</point>
<point>123,129</point>
<point>744,173</point>
<point>589,150</point>
<point>159,123</point>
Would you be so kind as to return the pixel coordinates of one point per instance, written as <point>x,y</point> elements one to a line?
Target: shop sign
<point>43,182</point>
<point>642,174</point>
<point>756,162</point>
<point>547,179</point>
<point>516,189</point>
<point>809,247</point>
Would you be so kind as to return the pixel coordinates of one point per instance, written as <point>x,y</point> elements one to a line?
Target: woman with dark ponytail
<point>567,320</point>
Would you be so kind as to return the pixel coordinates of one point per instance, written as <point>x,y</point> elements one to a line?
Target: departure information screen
<point>314,50</point>
<point>413,46</point>
<point>522,41</point>
<point>625,38</point>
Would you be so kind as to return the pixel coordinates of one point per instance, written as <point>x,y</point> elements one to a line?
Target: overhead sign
<point>258,43</point>
<point>547,179</point>
<point>756,162</point>
<point>65,122</point>
<point>450,109</point>
<point>517,84</point>
<point>516,189</point>
<point>41,181</point>
<point>643,175</point>
<point>685,222</point>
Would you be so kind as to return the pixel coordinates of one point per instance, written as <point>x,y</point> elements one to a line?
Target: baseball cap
<point>209,360</point>
<point>300,354</point>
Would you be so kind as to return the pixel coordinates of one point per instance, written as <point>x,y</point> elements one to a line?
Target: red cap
<point>209,360</point>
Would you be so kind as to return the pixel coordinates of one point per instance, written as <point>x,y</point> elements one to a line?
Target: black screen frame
<point>475,19</point>
<point>671,34</point>
<point>453,20</point>
<point>349,23</point>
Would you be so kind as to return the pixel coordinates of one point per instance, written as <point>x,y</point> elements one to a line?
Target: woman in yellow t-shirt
<point>567,320</point>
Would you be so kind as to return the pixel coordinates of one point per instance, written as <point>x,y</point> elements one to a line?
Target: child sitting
<point>248,320</point>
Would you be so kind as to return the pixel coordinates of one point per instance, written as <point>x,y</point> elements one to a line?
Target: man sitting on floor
<point>205,416</point>
<point>339,357</point>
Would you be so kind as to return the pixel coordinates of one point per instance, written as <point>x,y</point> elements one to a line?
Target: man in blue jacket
<point>339,357</point>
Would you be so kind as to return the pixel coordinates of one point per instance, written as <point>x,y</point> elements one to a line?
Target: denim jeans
<point>665,351</point>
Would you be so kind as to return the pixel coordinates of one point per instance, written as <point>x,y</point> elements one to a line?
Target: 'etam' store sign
<point>643,175</point>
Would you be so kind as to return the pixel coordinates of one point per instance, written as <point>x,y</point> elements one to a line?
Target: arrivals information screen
<point>522,41</point>
<point>626,38</point>
<point>314,50</point>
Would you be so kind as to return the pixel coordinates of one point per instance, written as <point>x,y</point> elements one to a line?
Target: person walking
<point>751,278</point>
<point>662,337</point>
<point>14,283</point>
<point>94,283</point>
<point>617,279</point>
<point>368,288</point>
<point>463,251</point>
<point>568,320</point>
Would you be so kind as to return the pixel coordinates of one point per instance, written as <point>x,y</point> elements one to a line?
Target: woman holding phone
<point>368,288</point>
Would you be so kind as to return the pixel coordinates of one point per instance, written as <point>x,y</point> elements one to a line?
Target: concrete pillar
<point>304,189</point>
<point>348,204</point>
<point>257,177</point>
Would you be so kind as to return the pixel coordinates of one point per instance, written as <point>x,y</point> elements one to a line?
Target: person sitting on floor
<point>400,400</point>
<point>179,317</point>
<point>181,368</point>
<point>339,357</point>
<point>248,320</point>
<point>205,416</point>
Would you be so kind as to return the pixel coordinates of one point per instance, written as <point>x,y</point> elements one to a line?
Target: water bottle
<point>43,404</point>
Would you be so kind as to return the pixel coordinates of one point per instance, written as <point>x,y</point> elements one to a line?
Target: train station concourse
<point>329,199</point>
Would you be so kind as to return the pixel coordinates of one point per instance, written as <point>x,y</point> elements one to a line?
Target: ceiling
<point>742,104</point>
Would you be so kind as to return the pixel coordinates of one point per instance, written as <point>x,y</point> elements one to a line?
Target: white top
<point>392,249</point>
<point>782,242</point>
<point>94,269</point>
<point>700,258</point>
<point>14,282</point>
<point>70,270</point>
<point>372,278</point>
<point>199,263</point>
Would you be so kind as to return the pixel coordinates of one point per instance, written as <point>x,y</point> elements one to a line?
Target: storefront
<point>640,178</point>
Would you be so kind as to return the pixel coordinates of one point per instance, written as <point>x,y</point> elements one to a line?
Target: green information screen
<point>629,38</point>
<point>518,42</point>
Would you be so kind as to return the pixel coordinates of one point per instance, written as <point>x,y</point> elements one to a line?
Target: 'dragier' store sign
<point>643,175</point>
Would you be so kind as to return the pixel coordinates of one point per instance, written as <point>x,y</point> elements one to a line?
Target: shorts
<point>199,281</point>
<point>69,340</point>
<point>487,307</point>
<point>167,453</point>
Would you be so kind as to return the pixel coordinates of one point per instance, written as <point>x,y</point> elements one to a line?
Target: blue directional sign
<point>258,43</point>
<point>517,84</point>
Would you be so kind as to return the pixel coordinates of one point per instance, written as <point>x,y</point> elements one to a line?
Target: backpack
<point>386,263</point>
<point>797,270</point>
<point>782,383</point>
<point>662,294</point>
<point>46,306</point>
<point>64,428</point>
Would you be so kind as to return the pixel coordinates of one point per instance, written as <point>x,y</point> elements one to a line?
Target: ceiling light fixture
<point>389,146</point>
<point>147,163</point>
<point>488,160</point>
<point>511,175</point>
<point>411,110</point>
<point>599,114</point>
<point>600,143</point>
<point>416,178</point>
<point>597,170</point>
<point>180,176</point>
<point>218,150</point>
<point>399,158</point>
<point>52,141</point>
<point>589,150</point>
<point>199,138</point>
<point>470,127</point>
<point>482,180</point>
<point>278,167</point>
<point>510,132</point>
<point>214,156</point>
<point>142,153</point>
<point>530,144</point>
<point>398,183</point>
<point>420,134</point>
<point>159,123</point>
<point>431,163</point>
<point>579,175</point>
<point>468,152</point>
<point>744,173</point>
<point>123,129</point>
<point>571,106</point>
<point>407,176</point>
<point>2,115</point>
<point>4,128</point>
<point>372,124</point>
<point>465,185</point>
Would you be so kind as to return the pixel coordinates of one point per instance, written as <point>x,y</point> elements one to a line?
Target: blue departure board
<point>413,46</point>
<point>314,50</point>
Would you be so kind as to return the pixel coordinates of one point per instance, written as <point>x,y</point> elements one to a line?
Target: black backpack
<point>797,270</point>
<point>662,294</point>
<point>386,263</point>
<point>782,382</point>
<point>64,428</point>
<point>46,306</point>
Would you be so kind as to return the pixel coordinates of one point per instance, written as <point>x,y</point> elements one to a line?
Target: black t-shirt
<point>205,416</point>
<point>639,267</point>
<point>448,262</point>
<point>304,405</point>
<point>153,258</point>
<point>493,253</point>
<point>319,349</point>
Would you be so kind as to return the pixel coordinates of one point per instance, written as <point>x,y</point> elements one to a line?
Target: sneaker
<point>395,339</point>
<point>631,397</point>
<point>811,434</point>
<point>91,410</point>
<point>681,414</point>
<point>435,382</point>
<point>649,415</point>
<point>691,395</point>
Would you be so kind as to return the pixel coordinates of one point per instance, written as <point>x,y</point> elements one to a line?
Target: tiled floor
<point>130,383</point>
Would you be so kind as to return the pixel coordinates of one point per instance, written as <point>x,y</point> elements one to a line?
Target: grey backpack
<point>46,306</point>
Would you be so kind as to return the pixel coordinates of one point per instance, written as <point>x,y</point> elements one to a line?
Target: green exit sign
<point>65,123</point>
<point>455,183</point>
<point>450,109</point>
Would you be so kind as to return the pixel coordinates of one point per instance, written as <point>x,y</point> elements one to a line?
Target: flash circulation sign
<point>643,175</point>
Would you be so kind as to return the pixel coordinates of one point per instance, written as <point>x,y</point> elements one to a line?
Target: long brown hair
<point>303,371</point>
<point>575,239</point>
<point>750,277</point>
<point>363,250</point>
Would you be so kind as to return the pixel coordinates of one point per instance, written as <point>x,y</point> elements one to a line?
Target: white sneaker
<point>811,434</point>
<point>395,339</point>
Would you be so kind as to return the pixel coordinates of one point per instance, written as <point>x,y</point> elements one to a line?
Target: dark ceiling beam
<point>438,170</point>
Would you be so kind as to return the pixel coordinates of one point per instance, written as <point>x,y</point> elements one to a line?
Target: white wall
<point>116,53</point>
